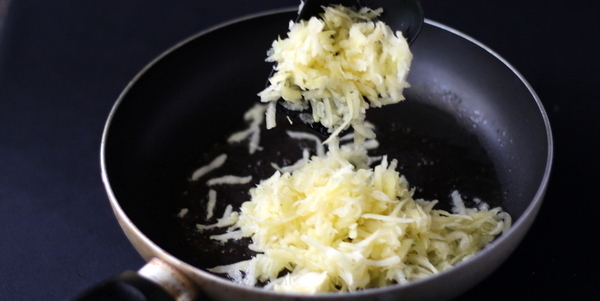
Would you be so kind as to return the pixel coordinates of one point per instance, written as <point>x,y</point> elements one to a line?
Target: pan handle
<point>155,281</point>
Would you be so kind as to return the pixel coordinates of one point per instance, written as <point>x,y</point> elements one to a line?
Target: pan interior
<point>468,123</point>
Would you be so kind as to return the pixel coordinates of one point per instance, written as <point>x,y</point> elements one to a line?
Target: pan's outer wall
<point>181,102</point>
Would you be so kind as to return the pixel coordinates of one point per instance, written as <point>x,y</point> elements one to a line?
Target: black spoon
<point>405,16</point>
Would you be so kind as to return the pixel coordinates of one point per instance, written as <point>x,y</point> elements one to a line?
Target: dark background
<point>63,63</point>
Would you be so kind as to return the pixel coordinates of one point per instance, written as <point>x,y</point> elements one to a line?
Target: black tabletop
<point>63,64</point>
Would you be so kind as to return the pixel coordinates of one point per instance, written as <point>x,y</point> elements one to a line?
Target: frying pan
<point>178,107</point>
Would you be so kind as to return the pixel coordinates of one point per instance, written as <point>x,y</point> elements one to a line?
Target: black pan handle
<point>156,281</point>
<point>127,286</point>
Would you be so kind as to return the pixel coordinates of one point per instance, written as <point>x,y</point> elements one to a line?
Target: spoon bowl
<point>405,16</point>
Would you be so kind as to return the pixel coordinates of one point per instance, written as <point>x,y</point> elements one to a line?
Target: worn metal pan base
<point>435,153</point>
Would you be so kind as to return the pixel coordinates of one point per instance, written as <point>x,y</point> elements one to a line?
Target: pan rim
<point>126,223</point>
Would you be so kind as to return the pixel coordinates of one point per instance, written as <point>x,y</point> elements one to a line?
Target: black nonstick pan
<point>470,122</point>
